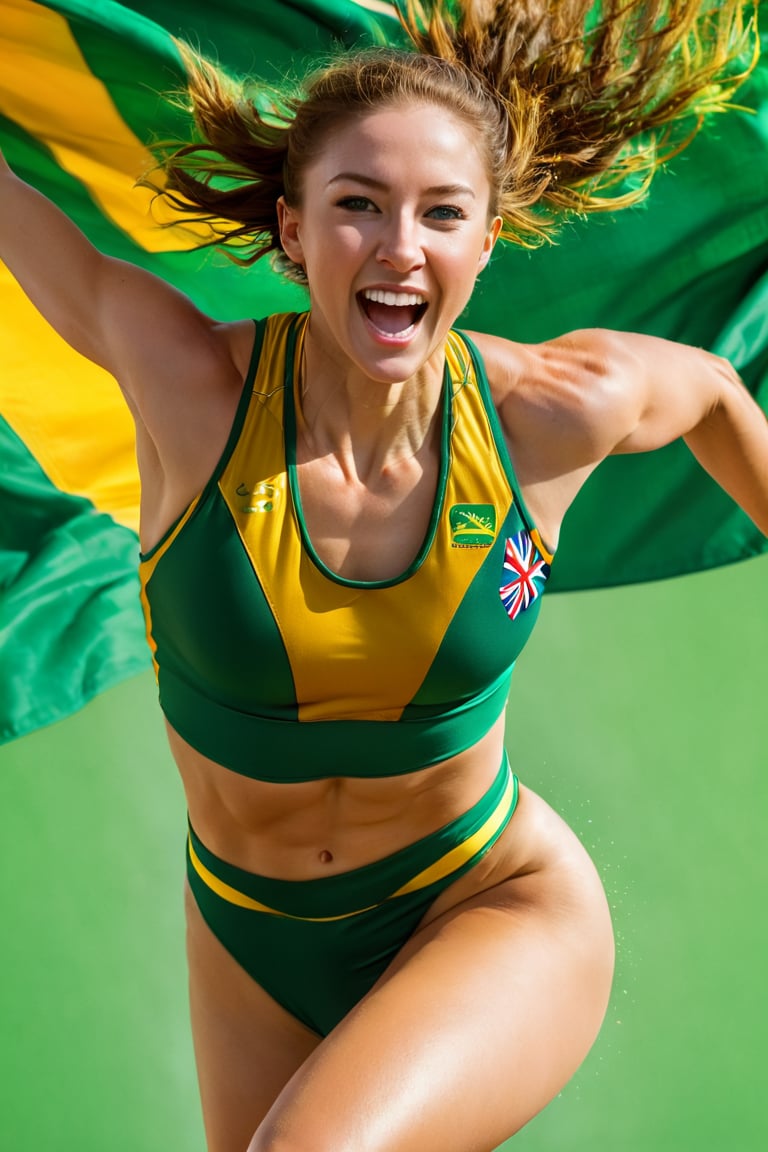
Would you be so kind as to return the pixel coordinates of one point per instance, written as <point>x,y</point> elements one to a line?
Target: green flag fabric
<point>86,89</point>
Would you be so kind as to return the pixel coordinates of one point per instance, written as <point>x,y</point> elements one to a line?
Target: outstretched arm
<point>107,309</point>
<point>673,391</point>
<point>569,403</point>
<point>179,370</point>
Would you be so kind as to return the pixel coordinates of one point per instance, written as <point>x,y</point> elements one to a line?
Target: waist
<point>443,854</point>
<point>320,827</point>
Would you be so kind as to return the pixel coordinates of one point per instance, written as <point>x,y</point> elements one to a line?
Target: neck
<point>367,425</point>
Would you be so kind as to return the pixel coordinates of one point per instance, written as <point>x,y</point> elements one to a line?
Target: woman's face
<point>392,231</point>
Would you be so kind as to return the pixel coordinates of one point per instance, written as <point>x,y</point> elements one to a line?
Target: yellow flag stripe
<point>381,7</point>
<point>47,88</point>
<point>44,383</point>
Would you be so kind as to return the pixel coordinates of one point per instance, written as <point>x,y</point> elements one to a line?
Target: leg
<point>484,1016</point>
<point>246,1046</point>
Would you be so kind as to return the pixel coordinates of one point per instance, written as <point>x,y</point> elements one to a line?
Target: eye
<point>356,204</point>
<point>446,212</point>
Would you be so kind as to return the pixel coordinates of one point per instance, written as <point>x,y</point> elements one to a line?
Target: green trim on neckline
<point>499,437</point>
<point>293,480</point>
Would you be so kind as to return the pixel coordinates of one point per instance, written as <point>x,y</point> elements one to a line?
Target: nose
<point>400,243</point>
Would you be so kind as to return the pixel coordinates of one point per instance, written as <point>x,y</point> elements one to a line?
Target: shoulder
<point>563,405</point>
<point>184,394</point>
<point>583,386</point>
<point>190,367</point>
<point>577,360</point>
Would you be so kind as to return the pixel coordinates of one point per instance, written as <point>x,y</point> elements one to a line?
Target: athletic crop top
<point>277,668</point>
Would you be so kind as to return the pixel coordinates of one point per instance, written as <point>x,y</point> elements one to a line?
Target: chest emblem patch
<point>524,576</point>
<point>472,525</point>
<point>259,498</point>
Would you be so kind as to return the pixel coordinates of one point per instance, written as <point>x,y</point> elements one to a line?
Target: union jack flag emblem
<point>525,574</point>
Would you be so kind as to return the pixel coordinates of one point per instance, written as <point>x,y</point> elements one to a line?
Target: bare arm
<point>180,371</point>
<point>119,316</point>
<point>568,404</point>
<point>674,391</point>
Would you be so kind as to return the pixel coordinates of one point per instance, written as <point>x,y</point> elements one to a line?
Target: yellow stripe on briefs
<point>47,88</point>
<point>469,847</point>
<point>447,864</point>
<point>233,896</point>
<point>93,455</point>
<point>383,639</point>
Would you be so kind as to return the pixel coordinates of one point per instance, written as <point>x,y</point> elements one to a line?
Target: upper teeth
<point>401,299</point>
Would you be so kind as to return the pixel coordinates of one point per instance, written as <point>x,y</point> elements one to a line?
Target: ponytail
<point>596,94</point>
<point>574,105</point>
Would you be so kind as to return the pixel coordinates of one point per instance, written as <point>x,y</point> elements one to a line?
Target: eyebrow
<point>381,185</point>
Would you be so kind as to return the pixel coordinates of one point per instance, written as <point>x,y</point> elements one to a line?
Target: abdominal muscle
<point>323,827</point>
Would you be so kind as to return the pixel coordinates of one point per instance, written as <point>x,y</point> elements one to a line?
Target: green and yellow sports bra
<point>274,666</point>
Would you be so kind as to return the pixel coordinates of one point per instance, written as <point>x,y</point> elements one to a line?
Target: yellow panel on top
<point>383,639</point>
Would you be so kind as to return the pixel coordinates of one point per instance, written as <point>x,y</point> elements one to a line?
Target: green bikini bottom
<point>317,946</point>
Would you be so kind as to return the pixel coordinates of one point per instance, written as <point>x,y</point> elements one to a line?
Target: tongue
<point>391,318</point>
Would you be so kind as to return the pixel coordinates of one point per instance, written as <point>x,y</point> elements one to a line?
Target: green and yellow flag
<point>86,87</point>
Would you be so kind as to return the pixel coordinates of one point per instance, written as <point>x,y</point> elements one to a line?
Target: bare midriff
<point>301,831</point>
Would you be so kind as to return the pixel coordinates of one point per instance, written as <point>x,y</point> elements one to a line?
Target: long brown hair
<point>575,104</point>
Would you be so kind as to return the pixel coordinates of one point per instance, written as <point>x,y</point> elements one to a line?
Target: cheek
<point>337,247</point>
<point>349,242</point>
<point>462,266</point>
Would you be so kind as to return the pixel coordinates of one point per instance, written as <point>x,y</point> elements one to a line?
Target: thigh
<point>483,1017</point>
<point>246,1046</point>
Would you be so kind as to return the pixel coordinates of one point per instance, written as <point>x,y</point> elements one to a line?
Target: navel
<point>326,857</point>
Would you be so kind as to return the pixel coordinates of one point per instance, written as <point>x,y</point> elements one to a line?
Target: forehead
<point>417,143</point>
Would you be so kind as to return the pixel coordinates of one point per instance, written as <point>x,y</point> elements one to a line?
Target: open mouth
<point>393,314</point>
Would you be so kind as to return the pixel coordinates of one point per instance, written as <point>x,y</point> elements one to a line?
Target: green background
<point>639,713</point>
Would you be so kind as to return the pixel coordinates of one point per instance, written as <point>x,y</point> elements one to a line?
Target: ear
<point>491,237</point>
<point>288,221</point>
